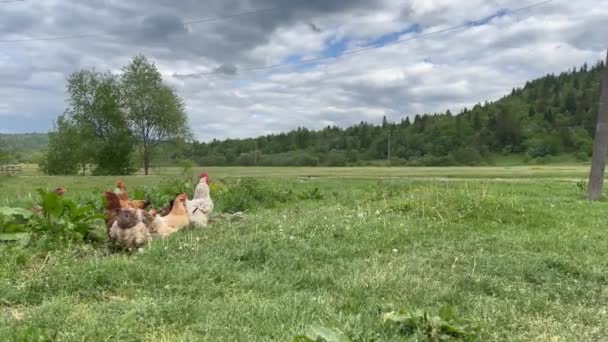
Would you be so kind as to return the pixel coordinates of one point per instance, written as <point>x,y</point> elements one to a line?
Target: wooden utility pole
<point>389,147</point>
<point>255,153</point>
<point>600,141</point>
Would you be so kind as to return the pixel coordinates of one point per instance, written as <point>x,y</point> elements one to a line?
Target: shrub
<point>543,146</point>
<point>312,194</point>
<point>293,158</point>
<point>217,188</point>
<point>60,220</point>
<point>467,156</point>
<point>245,159</point>
<point>582,185</point>
<point>443,327</point>
<point>212,160</point>
<point>431,160</point>
<point>166,191</point>
<point>335,158</point>
<point>229,196</point>
<point>63,219</point>
<point>581,156</point>
<point>249,193</point>
<point>13,223</point>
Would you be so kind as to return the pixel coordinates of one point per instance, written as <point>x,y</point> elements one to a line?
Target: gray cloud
<point>208,62</point>
<point>161,27</point>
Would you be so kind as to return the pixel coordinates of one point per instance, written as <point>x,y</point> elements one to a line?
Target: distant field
<point>507,171</point>
<point>26,183</point>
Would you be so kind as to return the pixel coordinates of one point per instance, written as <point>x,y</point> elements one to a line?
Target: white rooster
<point>201,205</point>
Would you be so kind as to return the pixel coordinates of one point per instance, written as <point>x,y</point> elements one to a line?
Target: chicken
<point>111,209</point>
<point>201,205</point>
<point>178,217</point>
<point>60,191</point>
<point>202,188</point>
<point>159,228</point>
<point>129,229</point>
<point>155,224</point>
<point>121,192</point>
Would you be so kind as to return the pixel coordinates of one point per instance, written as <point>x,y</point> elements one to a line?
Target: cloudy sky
<point>220,66</point>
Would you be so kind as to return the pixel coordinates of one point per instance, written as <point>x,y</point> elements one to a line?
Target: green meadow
<point>488,253</point>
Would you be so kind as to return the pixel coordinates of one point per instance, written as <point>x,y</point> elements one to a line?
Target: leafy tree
<point>581,140</point>
<point>507,129</point>
<point>570,102</point>
<point>384,122</point>
<point>548,116</point>
<point>94,100</point>
<point>108,115</point>
<point>153,110</point>
<point>66,154</point>
<point>543,145</point>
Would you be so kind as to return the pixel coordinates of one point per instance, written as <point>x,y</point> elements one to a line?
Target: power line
<point>376,46</point>
<point>206,20</point>
<point>5,1</point>
<point>92,35</point>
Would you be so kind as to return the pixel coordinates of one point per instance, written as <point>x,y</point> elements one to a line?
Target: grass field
<point>514,250</point>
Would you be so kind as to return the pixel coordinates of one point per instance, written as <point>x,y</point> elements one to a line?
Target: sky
<point>369,58</point>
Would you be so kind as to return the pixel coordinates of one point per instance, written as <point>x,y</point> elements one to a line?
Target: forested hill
<point>549,116</point>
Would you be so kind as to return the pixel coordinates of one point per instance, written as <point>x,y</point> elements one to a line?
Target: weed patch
<point>442,327</point>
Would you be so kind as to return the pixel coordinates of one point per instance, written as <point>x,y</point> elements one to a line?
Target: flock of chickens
<point>131,226</point>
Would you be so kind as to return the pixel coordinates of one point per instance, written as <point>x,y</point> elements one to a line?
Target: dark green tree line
<point>548,116</point>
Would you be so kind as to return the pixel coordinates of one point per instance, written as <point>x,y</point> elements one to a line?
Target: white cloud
<point>427,75</point>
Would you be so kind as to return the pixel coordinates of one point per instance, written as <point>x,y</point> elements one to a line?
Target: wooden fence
<point>11,169</point>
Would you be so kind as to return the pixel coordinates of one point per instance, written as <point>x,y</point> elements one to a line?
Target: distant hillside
<point>550,116</point>
<point>23,147</point>
<point>26,142</point>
